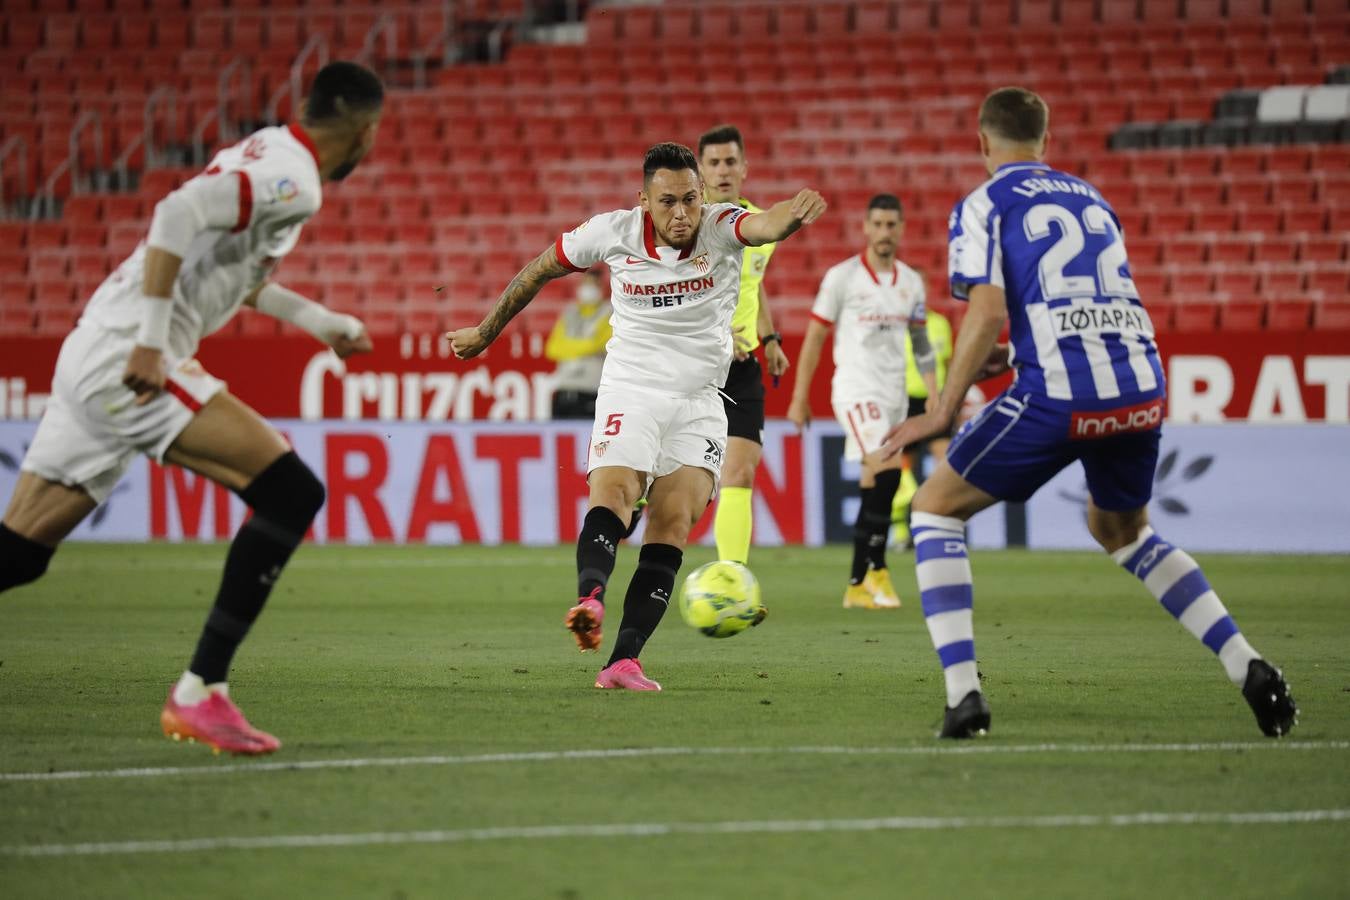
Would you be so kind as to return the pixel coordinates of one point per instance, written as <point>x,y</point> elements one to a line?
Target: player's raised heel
<point>969,718</point>
<point>626,674</point>
<point>216,722</point>
<point>1268,695</point>
<point>584,619</point>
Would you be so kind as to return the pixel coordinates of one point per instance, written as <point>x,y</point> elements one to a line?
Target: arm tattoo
<point>522,289</point>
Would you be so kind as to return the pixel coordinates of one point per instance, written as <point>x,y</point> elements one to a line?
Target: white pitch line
<point>972,749</point>
<point>654,829</point>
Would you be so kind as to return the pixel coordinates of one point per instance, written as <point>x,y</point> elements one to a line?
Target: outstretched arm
<point>345,334</point>
<point>529,281</point>
<point>781,219</point>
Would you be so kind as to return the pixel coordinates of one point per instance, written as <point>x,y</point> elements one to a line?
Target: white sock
<point>190,690</point>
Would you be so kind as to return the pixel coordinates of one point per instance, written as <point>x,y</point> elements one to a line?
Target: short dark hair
<point>343,88</point>
<point>721,134</point>
<point>667,156</point>
<point>885,201</point>
<point>1015,114</point>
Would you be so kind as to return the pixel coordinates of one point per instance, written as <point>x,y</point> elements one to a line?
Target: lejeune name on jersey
<point>1031,187</point>
<point>671,293</point>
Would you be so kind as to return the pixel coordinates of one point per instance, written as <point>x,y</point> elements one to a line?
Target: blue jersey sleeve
<point>974,246</point>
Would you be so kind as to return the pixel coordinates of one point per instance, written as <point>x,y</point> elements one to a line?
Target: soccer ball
<point>720,599</point>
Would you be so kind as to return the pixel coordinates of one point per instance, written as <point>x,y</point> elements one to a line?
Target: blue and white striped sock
<point>943,570</point>
<point>1176,580</point>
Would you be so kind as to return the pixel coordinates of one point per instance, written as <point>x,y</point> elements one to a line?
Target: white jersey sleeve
<point>974,249</point>
<point>829,299</point>
<point>207,202</point>
<point>589,243</point>
<point>260,194</point>
<point>723,223</point>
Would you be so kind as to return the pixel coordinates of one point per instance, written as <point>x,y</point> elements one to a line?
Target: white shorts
<point>92,429</point>
<point>865,422</point>
<point>656,434</point>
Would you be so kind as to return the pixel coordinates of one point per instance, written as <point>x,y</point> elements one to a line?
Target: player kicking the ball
<point>126,382</point>
<point>1042,250</point>
<point>660,430</point>
<point>871,301</point>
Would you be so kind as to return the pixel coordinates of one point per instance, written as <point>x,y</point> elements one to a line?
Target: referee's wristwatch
<point>775,336</point>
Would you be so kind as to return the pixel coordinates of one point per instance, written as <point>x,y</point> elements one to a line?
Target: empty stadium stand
<point>479,171</point>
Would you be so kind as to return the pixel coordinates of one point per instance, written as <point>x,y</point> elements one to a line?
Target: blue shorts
<point>1020,441</point>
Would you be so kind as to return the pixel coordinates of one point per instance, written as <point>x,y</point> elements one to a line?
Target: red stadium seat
<point>1281,282</point>
<point>956,14</point>
<point>1195,315</point>
<point>1243,315</point>
<point>1288,315</point>
<point>1274,249</point>
<point>54,321</point>
<point>1333,281</point>
<point>1331,315</point>
<point>1214,221</point>
<point>1261,219</point>
<point>679,25</point>
<point>87,235</point>
<point>1318,249</point>
<point>1183,250</point>
<point>914,15</point>
<point>1236,284</point>
<point>1230,252</point>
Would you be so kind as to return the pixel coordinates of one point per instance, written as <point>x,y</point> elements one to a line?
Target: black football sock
<point>21,560</point>
<point>600,535</point>
<point>879,515</point>
<point>284,499</point>
<point>861,535</point>
<point>647,598</point>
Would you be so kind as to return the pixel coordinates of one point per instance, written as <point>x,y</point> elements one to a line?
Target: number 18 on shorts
<point>865,423</point>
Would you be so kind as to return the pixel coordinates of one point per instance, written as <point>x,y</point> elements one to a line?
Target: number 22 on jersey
<point>1055,285</point>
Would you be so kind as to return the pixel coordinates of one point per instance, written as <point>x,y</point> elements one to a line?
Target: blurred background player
<point>660,429</point>
<point>1042,250</point>
<point>722,163</point>
<point>577,345</point>
<point>912,473</point>
<point>871,301</point>
<point>126,382</point>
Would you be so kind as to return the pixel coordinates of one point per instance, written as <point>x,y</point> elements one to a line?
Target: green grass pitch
<point>446,675</point>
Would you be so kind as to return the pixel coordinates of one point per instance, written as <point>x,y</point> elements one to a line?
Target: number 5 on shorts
<point>613,424</point>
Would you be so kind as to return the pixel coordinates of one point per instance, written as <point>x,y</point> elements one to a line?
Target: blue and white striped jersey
<point>1079,333</point>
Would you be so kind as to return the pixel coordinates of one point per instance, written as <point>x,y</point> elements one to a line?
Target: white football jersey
<point>252,201</point>
<point>870,313</point>
<point>672,308</point>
